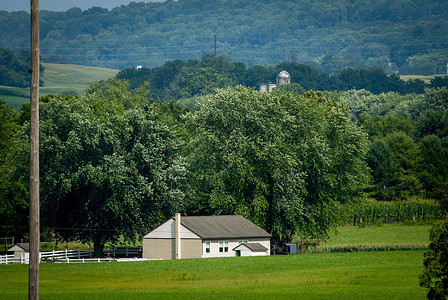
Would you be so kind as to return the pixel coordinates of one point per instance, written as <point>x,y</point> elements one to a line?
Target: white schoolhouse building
<point>206,236</point>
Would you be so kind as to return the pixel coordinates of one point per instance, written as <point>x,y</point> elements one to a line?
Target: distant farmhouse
<point>282,78</point>
<point>206,236</point>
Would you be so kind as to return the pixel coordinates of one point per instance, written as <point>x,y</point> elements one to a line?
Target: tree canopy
<point>178,79</point>
<point>14,68</point>
<point>115,162</point>
<point>435,275</point>
<point>277,158</point>
<point>110,166</point>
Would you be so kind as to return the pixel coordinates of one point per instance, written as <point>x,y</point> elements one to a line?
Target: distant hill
<point>73,76</point>
<point>58,79</point>
<point>396,35</point>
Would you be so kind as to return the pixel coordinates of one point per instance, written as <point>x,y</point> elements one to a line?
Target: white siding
<point>168,231</point>
<point>233,243</point>
<point>246,252</point>
<point>259,253</point>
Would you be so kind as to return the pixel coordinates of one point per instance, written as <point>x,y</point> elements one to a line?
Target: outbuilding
<point>250,249</point>
<point>21,251</point>
<point>206,236</point>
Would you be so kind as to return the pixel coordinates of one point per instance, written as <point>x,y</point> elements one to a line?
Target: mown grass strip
<point>366,275</point>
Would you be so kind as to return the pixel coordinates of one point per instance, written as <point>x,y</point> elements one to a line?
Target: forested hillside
<point>14,68</point>
<point>405,36</point>
<point>178,79</point>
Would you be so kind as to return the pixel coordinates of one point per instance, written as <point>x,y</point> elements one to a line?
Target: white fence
<point>69,256</point>
<point>8,259</point>
<point>123,251</point>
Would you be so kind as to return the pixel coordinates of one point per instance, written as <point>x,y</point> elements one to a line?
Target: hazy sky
<point>62,5</point>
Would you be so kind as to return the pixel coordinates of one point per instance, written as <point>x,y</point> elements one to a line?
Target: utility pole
<point>215,45</point>
<point>33,291</point>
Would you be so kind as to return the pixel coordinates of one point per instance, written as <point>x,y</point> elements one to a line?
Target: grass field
<point>380,235</point>
<point>362,275</point>
<point>426,79</point>
<point>73,76</point>
<point>59,79</point>
<point>358,275</point>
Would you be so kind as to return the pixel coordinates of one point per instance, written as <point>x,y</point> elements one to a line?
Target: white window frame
<point>207,247</point>
<point>243,242</point>
<point>223,246</point>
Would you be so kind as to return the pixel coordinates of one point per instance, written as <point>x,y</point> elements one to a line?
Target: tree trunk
<point>98,250</point>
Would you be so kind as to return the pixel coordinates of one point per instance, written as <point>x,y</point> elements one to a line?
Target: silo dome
<point>283,78</point>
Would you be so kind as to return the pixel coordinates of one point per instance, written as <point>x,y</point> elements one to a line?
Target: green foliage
<point>408,149</point>
<point>14,68</point>
<point>179,80</point>
<point>432,122</point>
<point>109,167</point>
<point>381,212</point>
<point>292,87</point>
<point>406,36</point>
<point>433,168</point>
<point>439,82</point>
<point>376,81</point>
<point>202,81</point>
<point>13,201</point>
<point>435,275</point>
<point>280,159</point>
<point>8,127</point>
<point>385,171</point>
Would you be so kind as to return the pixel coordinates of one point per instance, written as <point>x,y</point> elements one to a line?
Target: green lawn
<point>362,275</point>
<point>356,275</point>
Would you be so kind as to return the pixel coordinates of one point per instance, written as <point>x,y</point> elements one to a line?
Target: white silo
<point>283,78</point>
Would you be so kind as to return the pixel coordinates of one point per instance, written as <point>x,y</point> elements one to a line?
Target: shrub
<point>435,274</point>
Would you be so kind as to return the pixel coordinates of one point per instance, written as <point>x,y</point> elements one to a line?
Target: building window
<point>223,246</point>
<point>243,242</point>
<point>207,247</point>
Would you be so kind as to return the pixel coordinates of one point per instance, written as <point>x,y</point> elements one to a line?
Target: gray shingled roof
<point>254,247</point>
<point>24,246</point>
<point>214,227</point>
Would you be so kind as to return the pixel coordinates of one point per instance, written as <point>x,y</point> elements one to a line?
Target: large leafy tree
<point>385,171</point>
<point>13,193</point>
<point>280,159</point>
<point>200,81</point>
<point>109,166</point>
<point>433,168</point>
<point>435,275</point>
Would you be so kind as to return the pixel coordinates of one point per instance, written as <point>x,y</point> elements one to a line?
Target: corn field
<point>374,212</point>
